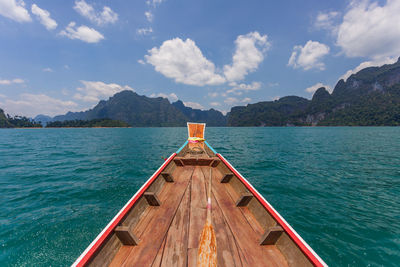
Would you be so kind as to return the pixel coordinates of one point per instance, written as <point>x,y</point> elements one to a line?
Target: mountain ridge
<point>368,97</point>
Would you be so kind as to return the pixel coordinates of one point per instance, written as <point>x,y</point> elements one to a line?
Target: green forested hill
<point>87,123</point>
<point>16,121</point>
<point>142,111</point>
<point>369,97</point>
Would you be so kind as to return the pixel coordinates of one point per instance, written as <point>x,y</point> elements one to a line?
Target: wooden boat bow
<point>162,223</point>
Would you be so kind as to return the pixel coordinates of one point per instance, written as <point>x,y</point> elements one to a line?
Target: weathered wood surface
<point>169,234</point>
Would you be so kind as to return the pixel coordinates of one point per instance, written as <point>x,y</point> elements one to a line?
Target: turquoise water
<point>338,187</point>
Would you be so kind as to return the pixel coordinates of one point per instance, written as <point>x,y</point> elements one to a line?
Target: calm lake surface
<point>338,187</point>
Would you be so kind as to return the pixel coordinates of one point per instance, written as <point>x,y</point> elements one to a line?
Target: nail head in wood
<point>125,236</point>
<point>168,177</point>
<point>244,199</point>
<point>152,199</point>
<point>271,235</point>
<point>227,177</point>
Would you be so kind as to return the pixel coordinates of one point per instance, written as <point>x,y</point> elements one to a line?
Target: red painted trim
<point>277,217</point>
<point>85,259</point>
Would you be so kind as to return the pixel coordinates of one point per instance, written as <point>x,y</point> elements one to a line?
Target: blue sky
<point>59,56</point>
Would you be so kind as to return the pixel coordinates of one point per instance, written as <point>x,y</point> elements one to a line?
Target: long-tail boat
<point>162,224</point>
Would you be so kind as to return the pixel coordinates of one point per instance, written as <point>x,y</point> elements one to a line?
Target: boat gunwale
<point>297,239</point>
<point>90,251</point>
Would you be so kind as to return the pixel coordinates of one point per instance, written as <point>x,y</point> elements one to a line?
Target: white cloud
<point>95,91</point>
<point>366,64</point>
<point>144,31</point>
<point>316,86</point>
<point>215,104</point>
<point>14,10</point>
<point>172,96</point>
<point>154,3</point>
<point>141,61</point>
<point>44,17</point>
<point>326,21</point>
<point>370,30</point>
<point>8,82</point>
<point>100,18</point>
<point>237,88</point>
<point>48,70</point>
<point>234,100</point>
<point>249,53</point>
<point>309,56</point>
<point>149,16</point>
<point>83,33</point>
<point>184,62</point>
<point>275,98</point>
<point>31,105</point>
<point>193,105</point>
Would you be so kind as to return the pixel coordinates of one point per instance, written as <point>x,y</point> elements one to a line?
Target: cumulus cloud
<point>316,86</point>
<point>309,56</point>
<point>95,91</point>
<point>14,10</point>
<point>326,21</point>
<point>238,88</point>
<point>249,53</point>
<point>193,105</point>
<point>234,100</point>
<point>184,62</point>
<point>83,33</point>
<point>370,30</point>
<point>144,31</point>
<point>100,18</point>
<point>31,105</point>
<point>8,82</point>
<point>44,17</point>
<point>149,16</point>
<point>172,96</point>
<point>366,64</point>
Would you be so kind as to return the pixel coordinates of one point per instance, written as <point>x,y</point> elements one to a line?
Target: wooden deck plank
<point>121,256</point>
<point>246,238</point>
<point>154,234</point>
<point>227,251</point>
<point>158,258</point>
<point>198,208</point>
<point>175,251</point>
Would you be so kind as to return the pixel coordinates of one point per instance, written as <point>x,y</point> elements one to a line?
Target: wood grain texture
<point>198,206</point>
<point>228,254</point>
<point>175,251</point>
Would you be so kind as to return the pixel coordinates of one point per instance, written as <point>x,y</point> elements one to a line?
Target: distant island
<point>95,123</point>
<point>6,121</point>
<point>370,97</point>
